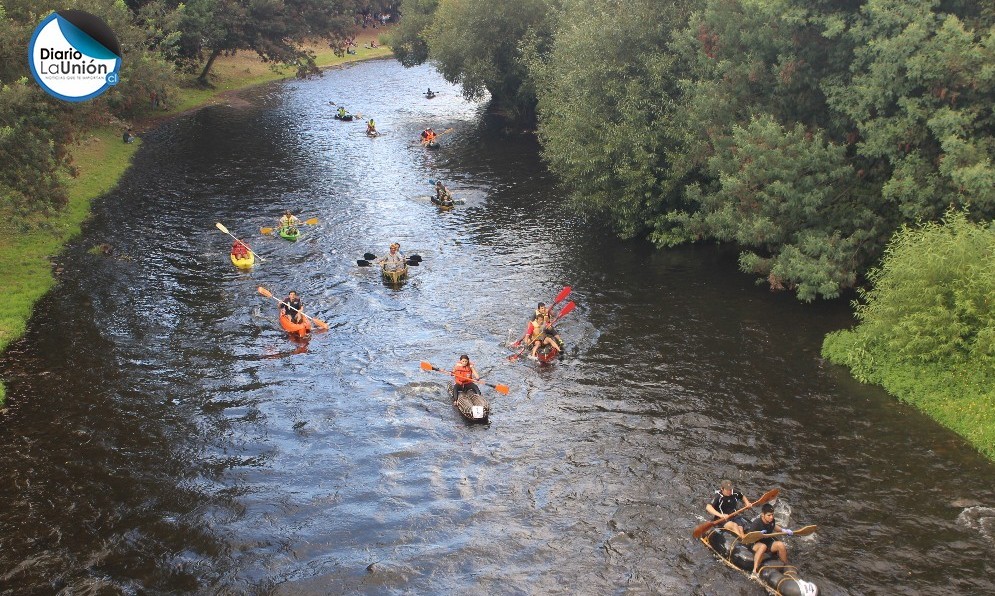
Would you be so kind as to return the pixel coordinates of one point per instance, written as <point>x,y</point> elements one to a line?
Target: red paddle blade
<point>426,366</point>
<point>567,308</point>
<point>563,294</point>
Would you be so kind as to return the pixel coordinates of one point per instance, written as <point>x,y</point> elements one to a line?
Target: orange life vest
<point>463,374</point>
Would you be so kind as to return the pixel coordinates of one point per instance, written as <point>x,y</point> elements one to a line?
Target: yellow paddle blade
<point>266,230</point>
<point>426,366</point>
<point>312,221</point>
<point>264,292</point>
<point>222,228</point>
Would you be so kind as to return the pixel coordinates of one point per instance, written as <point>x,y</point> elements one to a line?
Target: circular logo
<point>74,55</point>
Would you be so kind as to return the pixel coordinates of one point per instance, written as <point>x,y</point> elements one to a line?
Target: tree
<point>482,45</point>
<point>274,29</point>
<point>408,41</point>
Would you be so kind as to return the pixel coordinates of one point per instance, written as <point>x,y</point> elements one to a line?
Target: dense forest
<point>166,44</point>
<point>805,132</point>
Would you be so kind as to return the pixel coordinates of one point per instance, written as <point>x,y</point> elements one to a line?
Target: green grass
<point>26,256</point>
<point>960,397</point>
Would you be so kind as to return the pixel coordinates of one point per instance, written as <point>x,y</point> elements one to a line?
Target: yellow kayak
<point>245,263</point>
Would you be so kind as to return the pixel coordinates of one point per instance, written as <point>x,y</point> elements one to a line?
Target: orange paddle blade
<point>502,389</point>
<point>426,366</point>
<point>312,221</point>
<point>320,323</point>
<point>264,292</point>
<point>265,231</point>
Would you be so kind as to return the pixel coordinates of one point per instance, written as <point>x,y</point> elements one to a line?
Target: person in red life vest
<point>537,337</point>
<point>464,375</point>
<point>239,250</point>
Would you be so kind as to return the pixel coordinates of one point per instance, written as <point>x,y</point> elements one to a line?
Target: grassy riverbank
<point>25,255</point>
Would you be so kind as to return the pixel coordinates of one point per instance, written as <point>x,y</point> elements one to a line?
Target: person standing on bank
<point>726,501</point>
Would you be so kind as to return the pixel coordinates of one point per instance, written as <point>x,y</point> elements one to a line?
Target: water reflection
<point>165,435</point>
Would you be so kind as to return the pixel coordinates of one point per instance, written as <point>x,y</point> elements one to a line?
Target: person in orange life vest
<point>239,250</point>
<point>427,136</point>
<point>464,375</point>
<point>543,312</point>
<point>537,337</point>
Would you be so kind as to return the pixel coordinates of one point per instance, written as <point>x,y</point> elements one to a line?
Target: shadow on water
<point>164,435</point>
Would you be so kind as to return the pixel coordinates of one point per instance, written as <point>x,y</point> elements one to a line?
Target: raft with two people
<point>738,552</point>
<point>540,337</point>
<point>465,393</point>
<point>292,317</point>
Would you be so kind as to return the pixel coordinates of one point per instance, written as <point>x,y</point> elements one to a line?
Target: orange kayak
<point>299,329</point>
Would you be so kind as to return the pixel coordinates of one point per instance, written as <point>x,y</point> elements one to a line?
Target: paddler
<point>342,113</point>
<point>239,250</point>
<point>726,501</point>
<point>543,312</point>
<point>442,194</point>
<point>289,222</point>
<point>537,337</point>
<point>464,375</point>
<point>765,523</point>
<point>293,307</point>
<point>371,128</point>
<point>393,260</point>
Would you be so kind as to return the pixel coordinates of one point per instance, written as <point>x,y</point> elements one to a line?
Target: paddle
<point>559,298</point>
<point>310,222</point>
<point>316,320</point>
<point>225,230</point>
<point>413,260</point>
<point>752,537</point>
<point>502,389</point>
<point>700,529</point>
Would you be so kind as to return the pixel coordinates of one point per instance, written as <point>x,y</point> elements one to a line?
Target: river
<point>163,434</point>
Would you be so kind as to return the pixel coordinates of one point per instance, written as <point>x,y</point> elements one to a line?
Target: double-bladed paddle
<point>413,260</point>
<point>316,320</point>
<point>502,389</point>
<point>225,230</point>
<point>752,537</point>
<point>559,298</point>
<point>700,529</point>
<point>310,222</point>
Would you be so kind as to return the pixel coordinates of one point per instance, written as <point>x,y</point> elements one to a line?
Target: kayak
<point>290,234</point>
<point>776,577</point>
<point>345,118</point>
<point>299,329</point>
<point>430,95</point>
<point>472,406</point>
<point>244,263</point>
<point>547,354</point>
<point>431,145</point>
<point>394,276</point>
<point>442,204</point>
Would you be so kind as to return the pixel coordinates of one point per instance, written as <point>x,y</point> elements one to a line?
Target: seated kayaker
<point>289,222</point>
<point>342,113</point>
<point>464,375</point>
<point>726,501</point>
<point>543,312</point>
<point>293,307</point>
<point>537,337</point>
<point>442,194</point>
<point>428,136</point>
<point>394,260</point>
<point>371,128</point>
<point>239,250</point>
<point>765,523</point>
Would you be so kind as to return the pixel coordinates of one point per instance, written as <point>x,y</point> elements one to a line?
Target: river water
<point>163,434</point>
